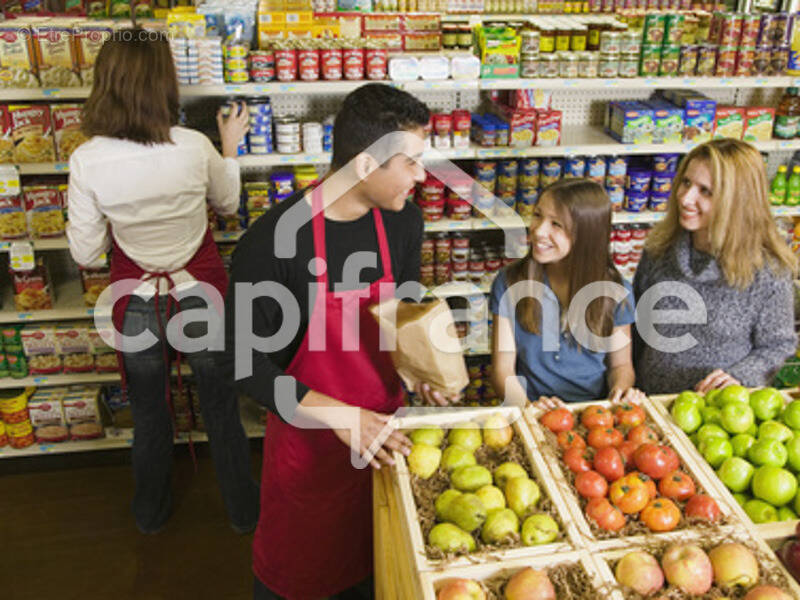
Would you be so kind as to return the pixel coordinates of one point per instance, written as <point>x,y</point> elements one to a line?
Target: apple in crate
<point>733,565</point>
<point>790,554</point>
<point>640,572</point>
<point>767,592</point>
<point>461,589</point>
<point>530,584</point>
<point>688,568</point>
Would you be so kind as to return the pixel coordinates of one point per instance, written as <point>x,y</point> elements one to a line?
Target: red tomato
<point>677,485</point>
<point>608,462</point>
<point>655,461</point>
<point>558,420</point>
<point>629,415</point>
<point>577,460</point>
<point>648,482</point>
<point>590,484</point>
<point>601,437</point>
<point>642,434</point>
<point>630,495</point>
<point>570,439</point>
<point>702,507</point>
<point>604,514</point>
<point>661,514</point>
<point>626,449</point>
<point>597,416</point>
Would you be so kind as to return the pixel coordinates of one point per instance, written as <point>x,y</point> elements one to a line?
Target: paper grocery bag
<point>426,347</point>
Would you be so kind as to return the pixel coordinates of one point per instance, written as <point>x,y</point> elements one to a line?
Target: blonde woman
<point>726,268</point>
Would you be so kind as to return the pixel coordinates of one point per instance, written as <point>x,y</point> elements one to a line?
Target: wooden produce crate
<point>596,538</point>
<point>415,538</point>
<point>574,575</point>
<point>771,571</point>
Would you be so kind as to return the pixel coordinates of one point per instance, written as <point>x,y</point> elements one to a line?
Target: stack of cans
<point>312,137</point>
<point>327,135</point>
<point>260,138</point>
<point>236,70</point>
<point>210,70</point>
<point>185,54</point>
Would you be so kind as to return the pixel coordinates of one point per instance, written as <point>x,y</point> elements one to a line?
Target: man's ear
<point>364,165</point>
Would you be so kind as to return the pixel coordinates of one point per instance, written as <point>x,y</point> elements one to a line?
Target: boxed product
<point>75,348</point>
<point>32,289</point>
<point>548,128</point>
<point>67,129</point>
<point>55,54</point>
<point>6,141</point>
<point>44,212</point>
<point>668,122</point>
<point>758,121</point>
<point>118,406</point>
<point>630,122</point>
<point>94,281</point>
<point>12,218</point>
<point>17,57</point>
<point>47,415</point>
<point>88,39</point>
<point>32,133</point>
<point>82,412</point>
<point>41,349</point>
<point>729,122</point>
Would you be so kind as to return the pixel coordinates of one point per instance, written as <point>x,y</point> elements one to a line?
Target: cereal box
<point>44,211</point>
<point>67,129</point>
<point>12,218</point>
<point>17,57</point>
<point>548,128</point>
<point>32,289</point>
<point>32,133</point>
<point>88,39</point>
<point>668,122</point>
<point>630,122</point>
<point>55,53</point>
<point>758,122</point>
<point>729,122</point>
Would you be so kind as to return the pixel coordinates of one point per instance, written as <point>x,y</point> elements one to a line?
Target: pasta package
<point>55,55</point>
<point>32,133</point>
<point>17,57</point>
<point>88,39</point>
<point>12,218</point>
<point>43,209</point>
<point>94,282</point>
<point>6,142</point>
<point>32,289</point>
<point>73,338</point>
<point>67,129</point>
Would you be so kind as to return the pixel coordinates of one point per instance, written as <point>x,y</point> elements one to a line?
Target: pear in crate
<point>432,436</point>
<point>530,584</point>
<point>467,435</point>
<point>443,502</point>
<point>455,457</point>
<point>501,524</point>
<point>450,538</point>
<point>461,589</point>
<point>467,511</point>
<point>423,460</point>
<point>497,433</point>
<point>492,497</point>
<point>522,494</point>
<point>506,471</point>
<point>539,529</point>
<point>470,479</point>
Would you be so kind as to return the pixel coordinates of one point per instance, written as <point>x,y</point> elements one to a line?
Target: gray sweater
<point>748,333</point>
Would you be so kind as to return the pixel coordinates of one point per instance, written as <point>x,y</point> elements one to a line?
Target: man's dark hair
<point>369,113</point>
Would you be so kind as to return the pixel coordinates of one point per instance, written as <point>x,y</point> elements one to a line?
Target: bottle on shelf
<point>777,190</point>
<point>793,187</point>
<point>787,115</point>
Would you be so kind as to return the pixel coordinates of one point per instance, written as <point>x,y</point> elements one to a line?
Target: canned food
<point>262,75</point>
<point>658,202</point>
<point>629,65</point>
<point>529,66</point>
<point>665,163</point>
<point>486,174</point>
<point>635,202</point>
<point>610,41</point>
<point>377,60</point>
<point>654,29</point>
<point>286,64</point>
<point>609,65</point>
<point>237,76</point>
<point>726,61</point>
<point>575,166</point>
<point>530,41</point>
<point>442,273</point>
<point>778,60</point>
<point>745,57</point>
<point>588,64</point>
<point>258,140</point>
<point>616,196</point>
<point>549,172</point>
<point>442,123</point>
<point>774,29</point>
<point>260,148</point>
<point>426,275</point>
<point>751,24</point>
<point>651,60</point>
<point>596,168</point>
<point>662,182</point>
<point>706,60</point>
<point>287,125</point>
<point>687,62</point>
<point>288,138</point>
<point>568,65</point>
<point>616,169</point>
<point>331,64</point>
<point>638,181</point>
<point>630,42</point>
<point>549,66</point>
<point>427,251</point>
<point>670,57</point>
<point>443,246</point>
<point>235,64</point>
<point>308,65</point>
<point>730,28</point>
<point>761,62</point>
<point>673,28</point>
<point>353,62</point>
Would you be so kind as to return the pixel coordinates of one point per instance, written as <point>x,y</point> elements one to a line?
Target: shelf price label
<point>21,256</point>
<point>40,380</point>
<point>62,167</point>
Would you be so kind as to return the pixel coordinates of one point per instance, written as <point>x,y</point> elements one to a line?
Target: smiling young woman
<point>719,238</point>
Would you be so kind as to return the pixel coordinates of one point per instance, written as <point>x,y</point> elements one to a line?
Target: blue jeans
<point>153,435</point>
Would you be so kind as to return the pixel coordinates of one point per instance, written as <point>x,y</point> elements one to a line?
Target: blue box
<point>630,122</point>
<point>668,122</point>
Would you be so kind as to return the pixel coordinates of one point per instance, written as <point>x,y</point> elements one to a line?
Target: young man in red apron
<point>314,537</point>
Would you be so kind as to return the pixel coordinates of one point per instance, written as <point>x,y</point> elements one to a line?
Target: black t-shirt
<point>254,261</point>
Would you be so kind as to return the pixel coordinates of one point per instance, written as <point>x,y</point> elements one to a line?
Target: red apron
<point>314,535</point>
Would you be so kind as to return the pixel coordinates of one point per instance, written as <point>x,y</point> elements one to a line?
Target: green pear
<point>423,460</point>
<point>449,538</point>
<point>432,436</point>
<point>467,435</point>
<point>443,502</point>
<point>492,497</point>
<point>470,479</point>
<point>501,524</point>
<point>455,457</point>
<point>539,529</point>
<point>522,494</point>
<point>497,433</point>
<point>467,511</point>
<point>506,471</point>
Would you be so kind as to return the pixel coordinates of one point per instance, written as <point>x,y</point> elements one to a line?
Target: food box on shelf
<point>417,521</point>
<point>770,570</point>
<point>572,575</point>
<point>633,532</point>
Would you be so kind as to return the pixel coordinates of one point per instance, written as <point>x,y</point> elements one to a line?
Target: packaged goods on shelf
<point>13,224</point>
<point>627,245</point>
<point>16,366</point>
<point>758,123</point>
<point>82,412</point>
<point>67,129</point>
<point>46,411</point>
<point>44,210</point>
<point>17,57</point>
<point>14,413</point>
<point>33,288</point>
<point>56,54</point>
<point>630,122</point>
<point>32,133</point>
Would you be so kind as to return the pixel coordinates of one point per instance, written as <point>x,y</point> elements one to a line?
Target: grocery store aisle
<point>66,532</point>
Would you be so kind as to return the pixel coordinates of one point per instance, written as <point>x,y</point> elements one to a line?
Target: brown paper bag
<point>426,348</point>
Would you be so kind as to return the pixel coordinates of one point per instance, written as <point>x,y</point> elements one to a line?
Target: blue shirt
<point>573,373</point>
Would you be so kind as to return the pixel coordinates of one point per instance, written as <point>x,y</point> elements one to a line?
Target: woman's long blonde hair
<point>744,237</point>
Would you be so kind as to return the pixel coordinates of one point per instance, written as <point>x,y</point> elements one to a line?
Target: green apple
<point>791,414</point>
<point>692,398</point>
<point>774,485</point>
<point>708,431</point>
<point>796,502</point>
<point>766,403</point>
<point>736,417</point>
<point>712,397</point>
<point>716,450</point>
<point>760,512</point>
<point>775,430</point>
<point>793,453</point>
<point>687,416</point>
<point>767,452</point>
<point>711,415</point>
<point>741,444</point>
<point>741,499</point>
<point>786,514</point>
<point>752,430</point>
<point>693,439</point>
<point>736,474</point>
<point>733,393</point>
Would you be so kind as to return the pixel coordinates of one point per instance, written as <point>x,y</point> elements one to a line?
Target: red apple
<point>461,589</point>
<point>767,592</point>
<point>640,572</point>
<point>790,555</point>
<point>703,507</point>
<point>530,584</point>
<point>688,568</point>
<point>733,565</point>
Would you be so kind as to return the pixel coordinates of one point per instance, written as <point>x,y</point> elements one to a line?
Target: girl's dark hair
<point>135,91</point>
<point>586,212</point>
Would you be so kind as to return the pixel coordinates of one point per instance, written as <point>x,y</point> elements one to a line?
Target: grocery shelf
<point>61,243</point>
<point>275,160</point>
<point>638,83</point>
<point>58,93</point>
<point>52,168</point>
<point>58,379</point>
<point>69,305</point>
